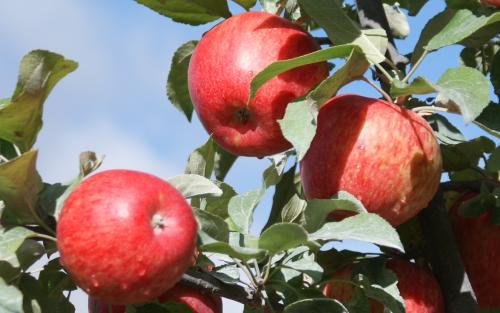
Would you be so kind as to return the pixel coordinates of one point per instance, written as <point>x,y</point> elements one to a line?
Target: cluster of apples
<point>127,237</point>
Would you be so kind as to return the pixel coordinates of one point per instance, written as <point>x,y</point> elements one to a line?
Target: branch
<point>444,256</point>
<point>210,284</point>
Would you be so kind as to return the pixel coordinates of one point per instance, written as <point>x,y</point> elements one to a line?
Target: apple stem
<point>382,92</point>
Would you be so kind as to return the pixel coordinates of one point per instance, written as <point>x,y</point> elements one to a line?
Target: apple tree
<point>267,83</point>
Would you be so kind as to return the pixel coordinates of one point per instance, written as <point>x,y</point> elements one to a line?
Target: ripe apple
<point>222,66</point>
<point>417,285</point>
<point>495,3</point>
<point>193,298</point>
<point>125,236</point>
<point>383,154</point>
<point>478,243</point>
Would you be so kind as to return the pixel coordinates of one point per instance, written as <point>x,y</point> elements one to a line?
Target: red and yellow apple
<point>417,286</point>
<point>222,66</point>
<point>384,155</point>
<point>193,298</point>
<point>478,242</point>
<point>125,236</point>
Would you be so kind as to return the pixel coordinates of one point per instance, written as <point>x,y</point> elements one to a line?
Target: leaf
<point>319,305</point>
<point>355,66</point>
<point>466,154</point>
<point>191,185</point>
<point>433,26</point>
<point>212,225</point>
<point>282,236</point>
<point>299,125</point>
<point>463,24</point>
<point>228,273</point>
<point>366,227</point>
<point>419,85</point>
<point>241,208</point>
<point>445,131</point>
<point>21,118</point>
<point>10,241</point>
<point>493,162</point>
<point>317,210</point>
<point>293,209</point>
<point>246,4</point>
<point>465,88</point>
<point>201,160</point>
<point>273,174</point>
<point>307,265</point>
<point>11,299</point>
<point>177,81</point>
<point>488,119</point>
<point>271,6</point>
<point>36,294</point>
<point>240,246</point>
<point>284,191</point>
<point>193,12</point>
<point>342,30</point>
<point>495,73</point>
<point>223,161</point>
<point>219,205</point>
<point>54,280</point>
<point>19,187</point>
<point>282,66</point>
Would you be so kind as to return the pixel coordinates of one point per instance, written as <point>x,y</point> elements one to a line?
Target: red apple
<point>193,298</point>
<point>417,285</point>
<point>126,237</point>
<point>222,66</point>
<point>478,242</point>
<point>495,3</point>
<point>383,154</point>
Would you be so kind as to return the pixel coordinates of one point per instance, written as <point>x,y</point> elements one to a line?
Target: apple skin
<point>222,66</point>
<point>478,242</point>
<point>125,236</point>
<point>417,285</point>
<point>495,3</point>
<point>195,299</point>
<point>384,155</point>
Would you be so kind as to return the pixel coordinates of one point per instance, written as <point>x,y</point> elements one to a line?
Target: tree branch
<point>209,284</point>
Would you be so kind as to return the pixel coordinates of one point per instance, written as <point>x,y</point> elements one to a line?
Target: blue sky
<point>115,102</point>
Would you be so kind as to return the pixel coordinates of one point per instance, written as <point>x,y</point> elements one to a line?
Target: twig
<point>415,66</point>
<point>382,92</point>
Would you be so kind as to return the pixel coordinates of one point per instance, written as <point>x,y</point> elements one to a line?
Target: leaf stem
<point>382,92</point>
<point>429,109</point>
<point>246,269</point>
<point>40,221</point>
<point>18,151</point>
<point>3,159</point>
<point>43,236</point>
<point>383,71</point>
<point>415,66</point>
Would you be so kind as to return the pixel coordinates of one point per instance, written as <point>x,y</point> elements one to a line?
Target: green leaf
<point>282,66</point>
<point>355,66</point>
<point>177,82</point>
<point>433,26</point>
<point>493,162</point>
<point>219,205</point>
<point>241,208</point>
<point>19,187</point>
<point>228,273</point>
<point>212,225</point>
<point>223,161</point>
<point>21,119</point>
<point>319,305</point>
<point>419,85</point>
<point>11,299</point>
<point>246,4</point>
<point>191,185</point>
<point>193,12</point>
<point>271,6</point>
<point>201,160</point>
<point>54,280</point>
<point>284,191</point>
<point>466,154</point>
<point>463,24</point>
<point>307,265</point>
<point>445,132</point>
<point>495,73</point>
<point>464,88</point>
<point>282,236</point>
<point>240,246</point>
<point>342,30</point>
<point>299,125</point>
<point>10,241</point>
<point>317,210</point>
<point>488,120</point>
<point>366,227</point>
<point>293,209</point>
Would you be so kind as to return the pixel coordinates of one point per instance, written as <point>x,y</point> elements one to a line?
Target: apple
<point>495,3</point>
<point>222,66</point>
<point>384,155</point>
<point>417,286</point>
<point>125,236</point>
<point>478,242</point>
<point>193,298</point>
